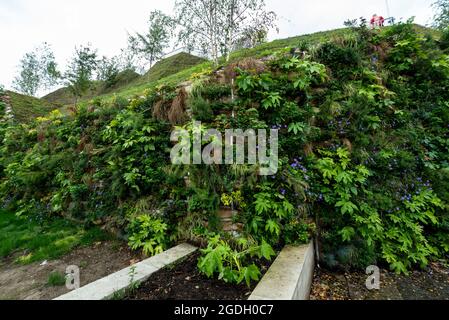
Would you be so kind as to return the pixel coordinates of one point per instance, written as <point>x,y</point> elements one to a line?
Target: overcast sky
<point>24,24</point>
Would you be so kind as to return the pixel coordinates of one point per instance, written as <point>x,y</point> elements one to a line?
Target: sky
<point>24,24</point>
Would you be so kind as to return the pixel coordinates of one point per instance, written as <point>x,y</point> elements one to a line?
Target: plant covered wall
<point>363,158</point>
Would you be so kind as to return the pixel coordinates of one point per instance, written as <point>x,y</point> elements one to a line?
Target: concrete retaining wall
<point>105,288</point>
<point>290,277</point>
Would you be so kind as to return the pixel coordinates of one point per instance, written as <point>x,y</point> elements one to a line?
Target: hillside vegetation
<point>129,79</point>
<point>363,158</point>
<point>26,108</point>
<point>64,96</point>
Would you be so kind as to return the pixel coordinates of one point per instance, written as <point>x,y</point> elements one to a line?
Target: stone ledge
<point>290,277</point>
<point>105,288</point>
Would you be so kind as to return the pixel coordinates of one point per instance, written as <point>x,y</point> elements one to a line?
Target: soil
<point>429,284</point>
<point>30,282</point>
<point>183,281</point>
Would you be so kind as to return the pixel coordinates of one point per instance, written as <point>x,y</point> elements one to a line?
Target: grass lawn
<point>37,242</point>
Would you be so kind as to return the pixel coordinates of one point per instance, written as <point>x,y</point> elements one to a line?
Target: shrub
<point>233,265</point>
<point>363,153</point>
<point>149,234</point>
<point>444,41</point>
<point>56,279</point>
<point>201,109</point>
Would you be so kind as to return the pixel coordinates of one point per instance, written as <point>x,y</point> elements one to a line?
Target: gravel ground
<point>429,284</point>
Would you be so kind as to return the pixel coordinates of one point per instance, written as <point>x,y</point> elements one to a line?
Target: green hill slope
<point>63,96</point>
<point>170,66</point>
<point>169,71</point>
<point>150,80</point>
<point>26,108</point>
<point>129,79</point>
<point>362,121</point>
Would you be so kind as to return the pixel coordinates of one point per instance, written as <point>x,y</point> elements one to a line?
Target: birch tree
<point>441,19</point>
<point>152,44</point>
<point>216,26</point>
<point>80,71</point>
<point>245,19</point>
<point>38,70</point>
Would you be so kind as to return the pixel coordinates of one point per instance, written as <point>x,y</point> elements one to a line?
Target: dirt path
<point>431,284</point>
<point>29,282</point>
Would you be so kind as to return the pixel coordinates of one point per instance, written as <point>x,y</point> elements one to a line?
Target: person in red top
<point>373,21</point>
<point>377,21</point>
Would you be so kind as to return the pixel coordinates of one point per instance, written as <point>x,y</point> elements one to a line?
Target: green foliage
<point>343,60</point>
<point>26,108</point>
<point>171,66</point>
<point>441,18</point>
<point>212,92</point>
<point>217,27</point>
<point>271,210</point>
<point>233,199</point>
<point>38,70</point>
<point>80,71</point>
<point>233,265</point>
<point>148,234</point>
<point>444,40</point>
<point>151,45</point>
<point>56,279</point>
<point>363,153</point>
<point>43,240</point>
<point>108,71</point>
<point>2,103</point>
<point>344,188</point>
<point>201,109</point>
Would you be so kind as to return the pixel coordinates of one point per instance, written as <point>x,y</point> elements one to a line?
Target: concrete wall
<point>290,277</point>
<point>105,288</point>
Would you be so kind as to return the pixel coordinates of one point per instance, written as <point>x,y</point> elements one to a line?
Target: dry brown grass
<point>160,110</point>
<point>250,65</point>
<point>177,113</point>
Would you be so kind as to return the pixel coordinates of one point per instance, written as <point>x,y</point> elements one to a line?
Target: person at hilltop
<point>377,21</point>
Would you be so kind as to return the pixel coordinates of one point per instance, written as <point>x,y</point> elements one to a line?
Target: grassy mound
<point>170,66</point>
<point>363,155</point>
<point>26,108</point>
<point>128,80</point>
<point>63,96</point>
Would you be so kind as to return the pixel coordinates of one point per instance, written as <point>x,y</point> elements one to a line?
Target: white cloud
<point>25,24</point>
